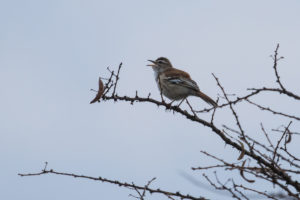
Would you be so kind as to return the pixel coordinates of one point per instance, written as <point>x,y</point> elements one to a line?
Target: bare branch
<point>117,79</point>
<point>276,59</point>
<point>272,111</point>
<point>118,183</point>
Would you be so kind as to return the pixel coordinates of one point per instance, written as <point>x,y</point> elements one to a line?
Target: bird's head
<point>160,64</point>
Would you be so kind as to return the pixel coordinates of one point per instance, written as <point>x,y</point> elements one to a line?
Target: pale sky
<point>52,53</point>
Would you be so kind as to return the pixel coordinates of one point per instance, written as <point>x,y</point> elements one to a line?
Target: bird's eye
<point>160,62</point>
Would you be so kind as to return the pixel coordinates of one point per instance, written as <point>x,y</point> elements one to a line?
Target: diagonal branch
<point>272,111</point>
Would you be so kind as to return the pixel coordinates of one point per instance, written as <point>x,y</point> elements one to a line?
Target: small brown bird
<point>174,83</point>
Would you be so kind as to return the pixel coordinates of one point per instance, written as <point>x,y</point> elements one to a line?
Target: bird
<point>176,84</point>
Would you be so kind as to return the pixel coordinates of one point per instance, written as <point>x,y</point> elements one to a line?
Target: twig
<point>272,111</point>
<point>237,100</point>
<point>192,110</point>
<point>275,151</point>
<point>266,134</point>
<point>278,90</point>
<point>119,183</point>
<point>275,59</point>
<point>117,79</point>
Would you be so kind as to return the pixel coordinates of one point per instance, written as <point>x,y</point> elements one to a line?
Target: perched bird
<point>174,83</point>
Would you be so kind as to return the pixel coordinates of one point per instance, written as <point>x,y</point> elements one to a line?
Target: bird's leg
<point>181,102</point>
<point>170,104</point>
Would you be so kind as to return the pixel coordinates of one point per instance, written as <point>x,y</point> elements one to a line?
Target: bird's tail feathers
<point>206,98</point>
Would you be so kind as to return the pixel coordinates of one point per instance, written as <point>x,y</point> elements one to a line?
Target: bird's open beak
<point>154,64</point>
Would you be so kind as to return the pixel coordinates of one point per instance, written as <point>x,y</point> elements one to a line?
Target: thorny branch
<point>276,59</point>
<point>272,111</point>
<point>117,79</point>
<point>270,163</point>
<point>141,189</point>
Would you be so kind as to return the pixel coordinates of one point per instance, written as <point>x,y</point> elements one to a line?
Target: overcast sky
<point>52,53</point>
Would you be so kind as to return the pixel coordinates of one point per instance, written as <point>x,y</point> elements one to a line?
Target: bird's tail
<point>206,98</point>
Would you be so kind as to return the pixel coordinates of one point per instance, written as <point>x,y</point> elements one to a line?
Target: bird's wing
<point>172,72</point>
<point>179,77</point>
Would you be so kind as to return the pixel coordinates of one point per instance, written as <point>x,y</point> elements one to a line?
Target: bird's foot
<point>170,104</point>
